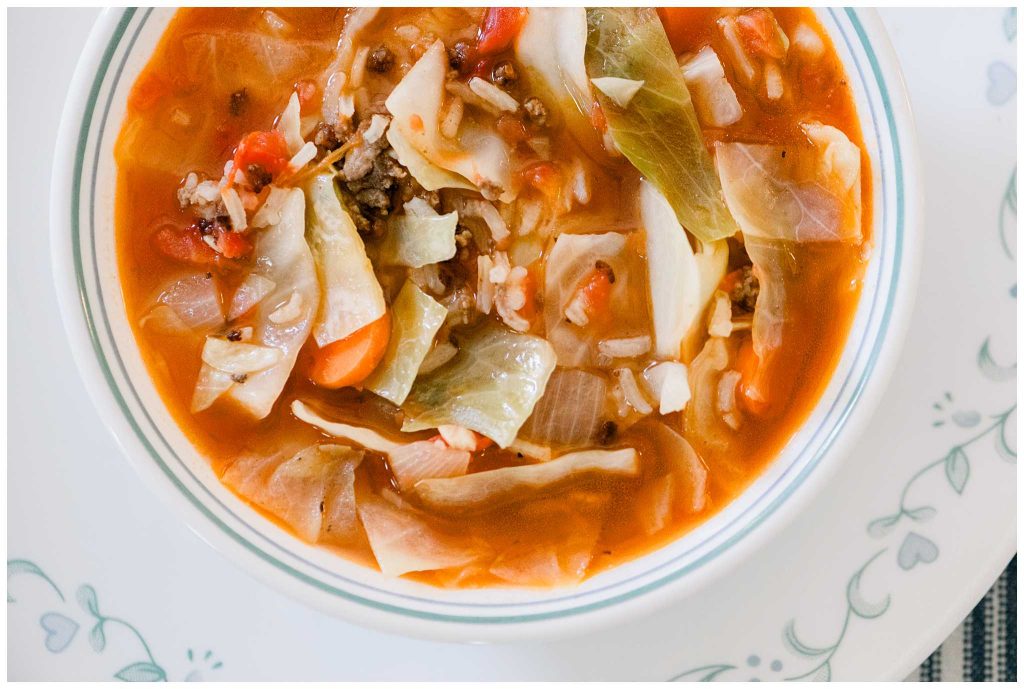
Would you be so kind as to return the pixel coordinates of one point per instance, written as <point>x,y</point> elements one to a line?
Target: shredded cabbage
<point>416,240</point>
<point>352,297</point>
<point>481,156</point>
<point>571,409</point>
<point>403,542</point>
<point>283,258</point>
<point>313,491</point>
<point>812,193</point>
<point>658,132</point>
<point>490,386</point>
<point>415,319</point>
<point>429,176</point>
<point>550,47</point>
<point>474,490</point>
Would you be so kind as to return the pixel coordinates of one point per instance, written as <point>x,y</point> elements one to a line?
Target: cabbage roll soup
<point>491,297</point>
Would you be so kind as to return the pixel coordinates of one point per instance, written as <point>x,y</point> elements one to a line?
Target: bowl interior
<point>109,358</point>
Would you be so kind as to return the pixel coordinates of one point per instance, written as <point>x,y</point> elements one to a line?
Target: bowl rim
<point>80,324</point>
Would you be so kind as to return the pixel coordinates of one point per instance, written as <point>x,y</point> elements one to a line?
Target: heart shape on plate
<point>915,549</point>
<point>60,630</point>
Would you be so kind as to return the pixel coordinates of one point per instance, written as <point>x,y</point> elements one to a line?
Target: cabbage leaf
<point>352,297</point>
<point>490,386</point>
<point>550,47</point>
<point>417,240</point>
<point>658,132</point>
<point>415,319</point>
<point>804,191</point>
<point>481,156</point>
<point>476,489</point>
<point>283,258</point>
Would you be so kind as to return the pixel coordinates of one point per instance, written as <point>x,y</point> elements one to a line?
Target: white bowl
<point>86,274</point>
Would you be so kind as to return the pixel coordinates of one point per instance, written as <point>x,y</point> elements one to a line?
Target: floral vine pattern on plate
<point>61,628</point>
<point>915,548</point>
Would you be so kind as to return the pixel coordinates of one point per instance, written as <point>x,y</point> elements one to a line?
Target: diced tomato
<point>760,34</point>
<point>545,178</point>
<point>184,244</point>
<point>500,27</point>
<point>512,129</point>
<point>266,149</point>
<point>307,91</point>
<point>232,244</point>
<point>596,289</point>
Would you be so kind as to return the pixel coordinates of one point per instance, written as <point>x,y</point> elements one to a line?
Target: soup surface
<point>491,297</point>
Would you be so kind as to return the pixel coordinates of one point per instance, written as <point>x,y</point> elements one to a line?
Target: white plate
<point>79,514</point>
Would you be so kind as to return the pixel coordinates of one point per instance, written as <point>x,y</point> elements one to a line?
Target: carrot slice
<point>349,361</point>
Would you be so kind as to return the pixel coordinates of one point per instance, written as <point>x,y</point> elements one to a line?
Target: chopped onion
<point>569,412</point>
<point>195,300</point>
<point>239,358</point>
<point>720,321</point>
<point>425,459</point>
<point>713,96</point>
<point>289,311</point>
<point>631,391</point>
<point>211,384</point>
<point>619,90</point>
<point>437,357</point>
<point>458,437</point>
<point>270,212</point>
<point>668,383</point>
<point>250,293</point>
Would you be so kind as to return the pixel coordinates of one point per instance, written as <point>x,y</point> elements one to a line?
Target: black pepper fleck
<point>239,101</point>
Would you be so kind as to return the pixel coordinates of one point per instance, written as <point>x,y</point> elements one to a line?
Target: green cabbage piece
<point>491,386</point>
<point>658,130</point>
<point>350,297</point>
<point>415,319</point>
<point>419,240</point>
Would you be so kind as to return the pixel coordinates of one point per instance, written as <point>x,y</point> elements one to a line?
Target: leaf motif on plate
<point>990,368</point>
<point>97,639</point>
<point>921,514</point>
<point>880,527</point>
<point>141,672</point>
<point>791,639</point>
<point>87,599</point>
<point>860,605</point>
<point>958,469</point>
